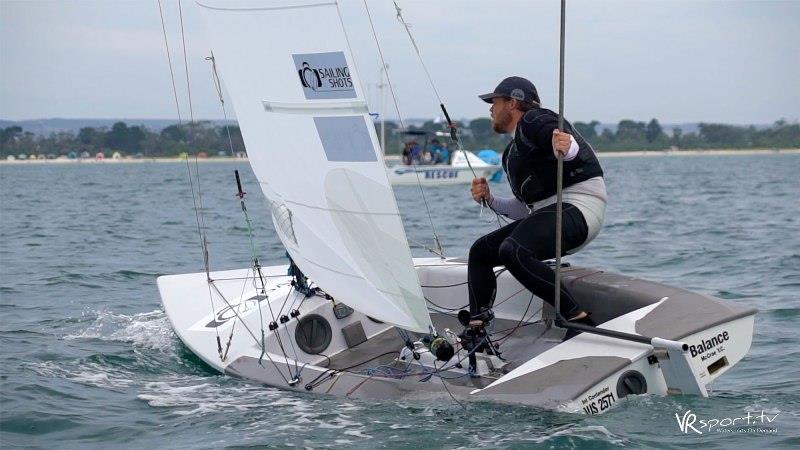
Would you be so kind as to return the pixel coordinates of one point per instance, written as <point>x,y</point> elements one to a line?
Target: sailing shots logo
<point>751,423</point>
<point>324,75</point>
<point>310,77</point>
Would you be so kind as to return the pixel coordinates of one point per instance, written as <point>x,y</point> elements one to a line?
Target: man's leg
<point>483,258</point>
<point>533,241</point>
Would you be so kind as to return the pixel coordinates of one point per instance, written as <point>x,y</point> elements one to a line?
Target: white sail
<point>313,148</point>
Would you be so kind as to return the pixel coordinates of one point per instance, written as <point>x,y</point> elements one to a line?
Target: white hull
<point>585,374</point>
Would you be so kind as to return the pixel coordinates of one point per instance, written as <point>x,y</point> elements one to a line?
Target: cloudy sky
<point>679,60</point>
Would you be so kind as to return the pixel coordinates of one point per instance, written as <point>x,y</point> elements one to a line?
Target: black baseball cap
<point>517,88</point>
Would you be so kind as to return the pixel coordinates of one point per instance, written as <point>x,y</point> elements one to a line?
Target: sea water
<point>89,359</point>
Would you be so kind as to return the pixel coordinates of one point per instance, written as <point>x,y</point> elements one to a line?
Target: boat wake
<point>95,374</point>
<point>149,330</point>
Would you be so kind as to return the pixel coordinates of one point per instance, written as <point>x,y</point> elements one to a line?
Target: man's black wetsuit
<point>521,246</point>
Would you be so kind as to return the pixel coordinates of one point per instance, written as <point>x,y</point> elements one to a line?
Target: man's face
<point>500,112</point>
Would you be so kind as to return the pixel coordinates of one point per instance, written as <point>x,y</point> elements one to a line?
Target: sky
<point>679,61</point>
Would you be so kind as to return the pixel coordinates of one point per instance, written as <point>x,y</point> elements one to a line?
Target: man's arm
<point>510,207</point>
<point>544,133</point>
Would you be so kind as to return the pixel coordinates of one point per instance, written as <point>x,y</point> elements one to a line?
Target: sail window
<point>282,216</point>
<point>345,139</point>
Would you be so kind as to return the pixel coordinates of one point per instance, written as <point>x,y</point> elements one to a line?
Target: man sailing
<point>530,164</point>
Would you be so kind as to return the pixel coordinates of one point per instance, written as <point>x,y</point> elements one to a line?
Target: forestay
<point>312,146</point>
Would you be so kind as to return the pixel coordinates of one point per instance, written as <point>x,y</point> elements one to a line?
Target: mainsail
<point>312,146</point>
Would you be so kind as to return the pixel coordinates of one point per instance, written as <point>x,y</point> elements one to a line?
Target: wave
<point>193,396</point>
<point>91,374</point>
<point>149,330</point>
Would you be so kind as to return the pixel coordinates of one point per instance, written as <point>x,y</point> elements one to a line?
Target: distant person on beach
<point>530,165</point>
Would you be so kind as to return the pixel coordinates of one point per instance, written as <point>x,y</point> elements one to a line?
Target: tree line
<point>633,135</point>
<point>475,134</point>
<point>128,140</point>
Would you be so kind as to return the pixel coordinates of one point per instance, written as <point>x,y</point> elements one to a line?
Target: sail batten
<point>317,109</point>
<point>313,148</point>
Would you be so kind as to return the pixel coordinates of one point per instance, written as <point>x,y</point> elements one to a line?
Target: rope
<point>450,123</point>
<point>236,313</point>
<point>439,247</point>
<point>464,407</point>
<point>169,61</point>
<point>218,87</point>
<point>416,48</point>
<point>204,248</point>
<point>257,269</point>
<point>288,336</point>
<point>285,299</point>
<point>421,245</point>
<point>233,325</point>
<point>186,65</point>
<point>202,217</point>
<point>521,320</point>
<point>198,211</point>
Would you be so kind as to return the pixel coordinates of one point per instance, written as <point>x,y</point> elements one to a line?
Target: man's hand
<point>561,142</point>
<point>480,190</point>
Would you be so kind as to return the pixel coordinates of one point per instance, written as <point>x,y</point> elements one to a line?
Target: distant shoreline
<point>699,152</point>
<point>615,154</point>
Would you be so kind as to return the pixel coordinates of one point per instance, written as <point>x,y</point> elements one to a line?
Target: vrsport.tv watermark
<point>751,423</point>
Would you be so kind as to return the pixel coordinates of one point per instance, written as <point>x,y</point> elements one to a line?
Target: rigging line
<point>428,249</point>
<point>169,60</point>
<point>438,286</point>
<point>277,334</point>
<point>416,48</point>
<point>233,326</point>
<point>257,269</point>
<point>288,336</point>
<point>246,278</point>
<point>321,378</point>
<point>285,299</point>
<point>521,319</point>
<point>249,331</point>
<point>205,256</point>
<point>436,239</point>
<point>448,389</point>
<point>439,248</point>
<point>297,369</point>
<point>345,369</point>
<point>218,86</point>
<point>294,300</point>
<point>471,352</point>
<point>355,388</point>
<point>203,234</point>
<point>445,308</point>
<point>450,123</point>
<point>233,310</point>
<point>524,324</point>
<point>186,64</point>
<point>560,165</point>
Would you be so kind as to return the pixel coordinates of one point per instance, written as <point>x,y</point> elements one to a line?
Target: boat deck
<point>518,342</point>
